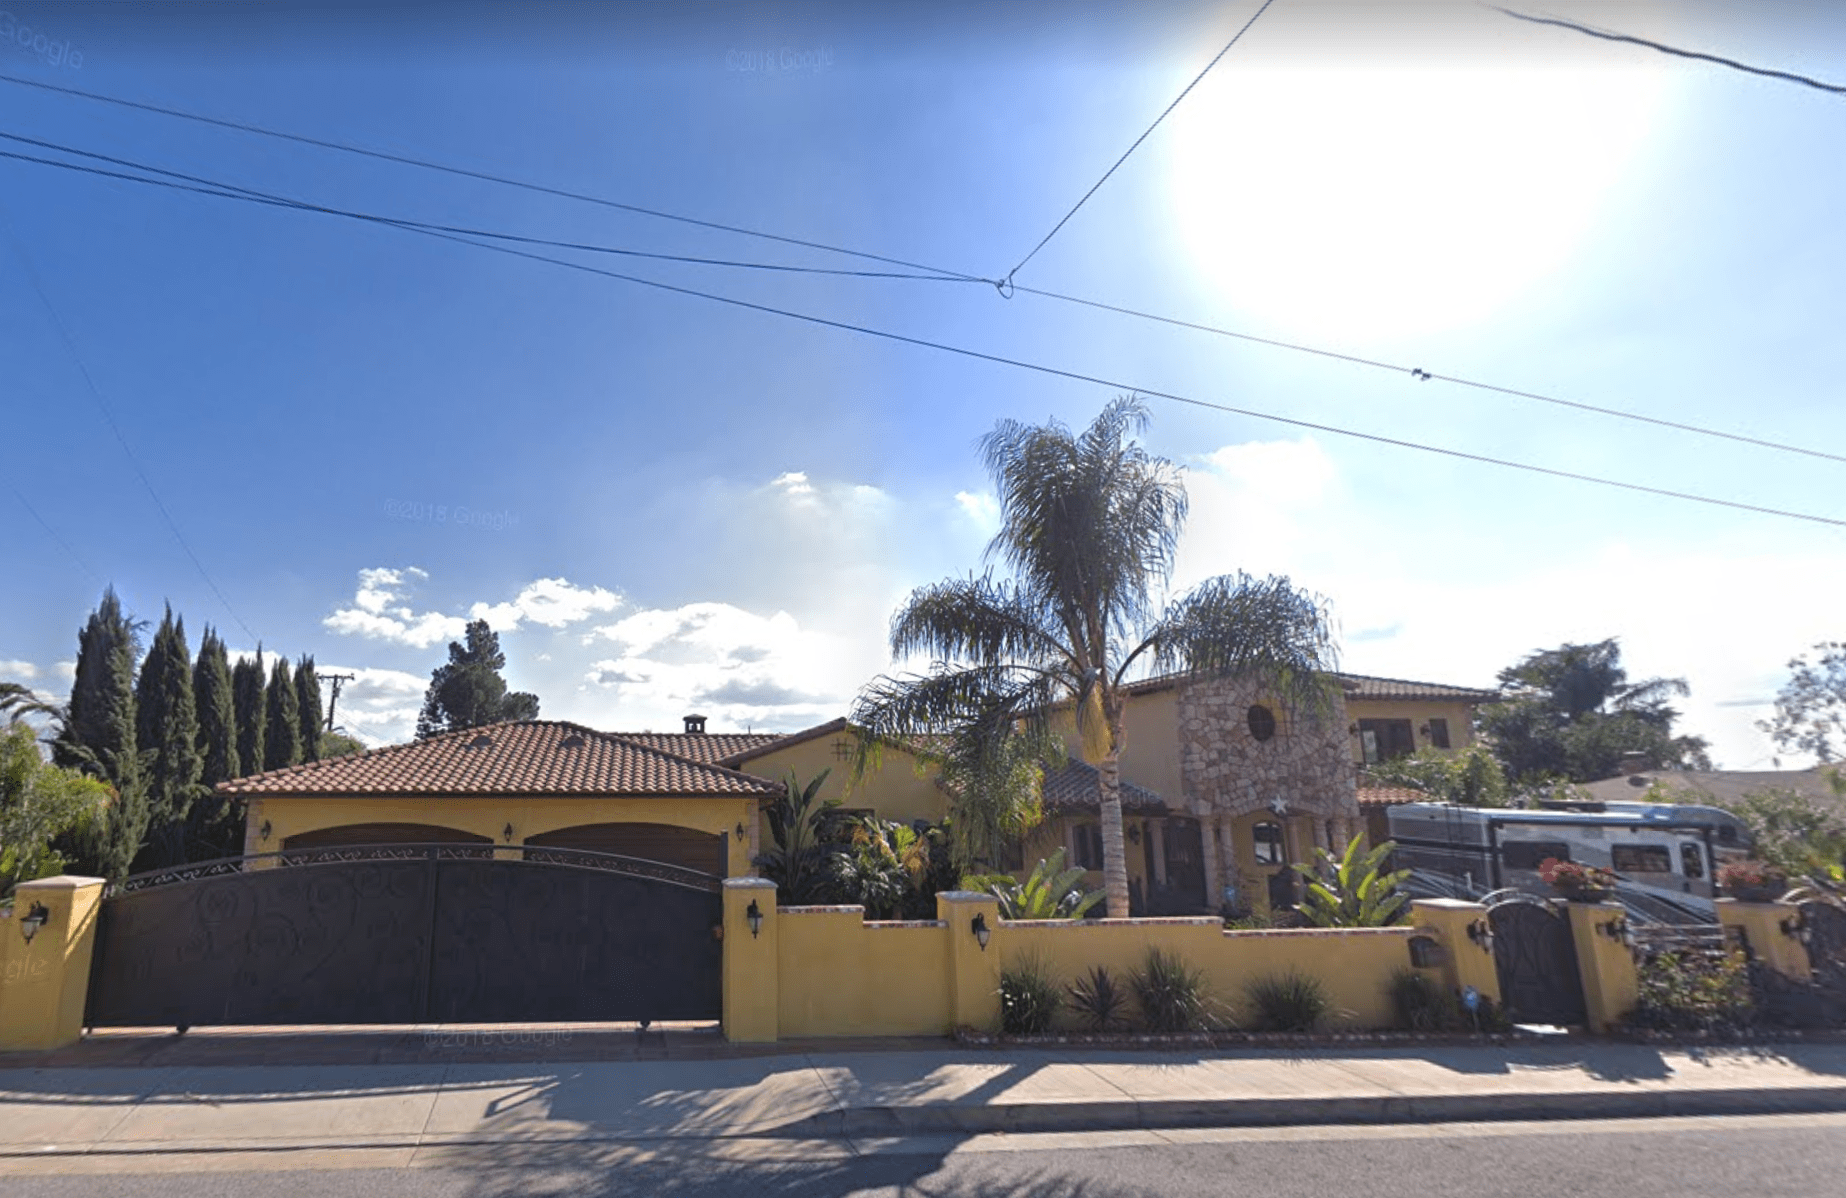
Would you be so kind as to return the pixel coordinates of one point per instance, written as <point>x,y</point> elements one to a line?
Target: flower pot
<point>1765,893</point>
<point>1597,895</point>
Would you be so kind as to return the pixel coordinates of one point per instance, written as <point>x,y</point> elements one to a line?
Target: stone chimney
<point>695,724</point>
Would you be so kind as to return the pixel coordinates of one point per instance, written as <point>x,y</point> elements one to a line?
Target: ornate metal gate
<point>409,934</point>
<point>1826,941</point>
<point>1536,960</point>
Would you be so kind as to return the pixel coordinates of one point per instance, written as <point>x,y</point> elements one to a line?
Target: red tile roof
<point>1078,787</point>
<point>1360,686</point>
<point>708,748</point>
<point>1390,796</point>
<point>531,757</point>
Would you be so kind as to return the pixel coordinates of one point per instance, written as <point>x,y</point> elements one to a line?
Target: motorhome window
<point>1439,733</point>
<point>1086,846</point>
<point>1692,859</point>
<point>1383,740</point>
<point>1727,833</point>
<point>1526,854</point>
<point>1266,842</point>
<point>1641,858</point>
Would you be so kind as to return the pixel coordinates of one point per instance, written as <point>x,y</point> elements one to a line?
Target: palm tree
<point>1089,526</point>
<point>17,702</point>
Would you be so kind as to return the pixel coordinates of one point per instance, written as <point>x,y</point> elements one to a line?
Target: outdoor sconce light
<point>753,915</point>
<point>740,829</point>
<point>263,832</point>
<point>33,920</point>
<point>507,832</point>
<point>1424,730</point>
<point>1134,833</point>
<point>1796,927</point>
<point>1617,929</point>
<point>979,928</point>
<point>1482,934</point>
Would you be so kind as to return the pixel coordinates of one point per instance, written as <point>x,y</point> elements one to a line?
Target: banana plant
<point>1355,890</point>
<point>1049,892</point>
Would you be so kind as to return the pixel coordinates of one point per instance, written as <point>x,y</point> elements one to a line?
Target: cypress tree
<point>307,699</point>
<point>247,696</point>
<point>167,732</point>
<point>98,737</point>
<point>215,828</point>
<point>282,721</point>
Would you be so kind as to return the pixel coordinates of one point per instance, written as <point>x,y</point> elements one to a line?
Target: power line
<point>53,534</point>
<point>1115,384</point>
<point>214,187</point>
<point>1663,48</point>
<point>102,405</point>
<point>1137,142</point>
<point>232,191</point>
<point>483,176</point>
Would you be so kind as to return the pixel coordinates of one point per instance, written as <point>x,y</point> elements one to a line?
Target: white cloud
<point>793,483</point>
<point>25,671</point>
<point>379,707</point>
<point>982,508</point>
<point>379,610</point>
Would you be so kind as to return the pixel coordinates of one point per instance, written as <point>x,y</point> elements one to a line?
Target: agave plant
<point>1354,891</point>
<point>1049,892</point>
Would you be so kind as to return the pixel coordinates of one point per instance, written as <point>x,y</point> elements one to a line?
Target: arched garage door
<point>346,835</point>
<point>693,849</point>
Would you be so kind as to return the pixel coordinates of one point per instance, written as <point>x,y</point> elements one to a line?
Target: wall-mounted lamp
<point>1481,932</point>
<point>1796,927</point>
<point>33,920</point>
<point>753,915</point>
<point>263,832</point>
<point>1134,833</point>
<point>1352,729</point>
<point>1617,929</point>
<point>1424,730</point>
<point>979,928</point>
<point>740,829</point>
<point>508,833</point>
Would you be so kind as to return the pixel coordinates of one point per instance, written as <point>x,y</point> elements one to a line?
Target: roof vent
<point>573,741</point>
<point>483,741</point>
<point>695,724</point>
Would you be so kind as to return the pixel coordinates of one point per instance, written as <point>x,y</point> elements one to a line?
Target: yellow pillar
<point>1466,960</point>
<point>752,978</point>
<point>974,970</point>
<point>1611,982</point>
<point>1762,927</point>
<point>43,984</point>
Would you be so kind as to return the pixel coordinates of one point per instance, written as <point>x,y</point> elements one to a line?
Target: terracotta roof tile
<point>708,748</point>
<point>1389,796</point>
<point>524,757</point>
<point>1360,686</point>
<point>1078,787</point>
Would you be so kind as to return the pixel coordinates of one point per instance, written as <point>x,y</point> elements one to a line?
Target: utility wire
<point>463,172</point>
<point>102,405</point>
<point>1114,384</point>
<point>1663,48</point>
<point>1145,133</point>
<point>234,192</point>
<point>214,187</point>
<point>53,534</point>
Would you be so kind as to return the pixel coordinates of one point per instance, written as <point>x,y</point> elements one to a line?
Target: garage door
<point>351,834</point>
<point>686,847</point>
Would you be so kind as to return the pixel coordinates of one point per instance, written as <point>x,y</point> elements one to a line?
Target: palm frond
<point>975,620</point>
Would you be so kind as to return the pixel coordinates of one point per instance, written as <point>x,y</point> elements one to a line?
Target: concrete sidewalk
<point>61,1110</point>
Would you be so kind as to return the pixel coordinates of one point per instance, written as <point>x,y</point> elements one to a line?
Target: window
<point>1086,846</point>
<point>1692,860</point>
<point>1382,740</point>
<point>1527,854</point>
<point>1266,842</point>
<point>1641,858</point>
<point>1262,722</point>
<point>1439,733</point>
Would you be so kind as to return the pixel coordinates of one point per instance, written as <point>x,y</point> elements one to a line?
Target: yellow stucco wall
<point>1150,754</point>
<point>43,984</point>
<point>895,790</point>
<point>839,973</point>
<point>489,817</point>
<point>1419,712</point>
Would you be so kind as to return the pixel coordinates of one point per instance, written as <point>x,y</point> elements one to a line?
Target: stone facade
<point>1228,771</point>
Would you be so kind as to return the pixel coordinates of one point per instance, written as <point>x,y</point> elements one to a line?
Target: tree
<point>281,719</point>
<point>338,744</point>
<point>1571,712</point>
<point>98,737</point>
<point>167,732</point>
<point>40,805</point>
<point>1089,525</point>
<point>1472,777</point>
<point>247,697</point>
<point>211,692</point>
<point>1810,709</point>
<point>17,701</point>
<point>467,690</point>
<point>308,710</point>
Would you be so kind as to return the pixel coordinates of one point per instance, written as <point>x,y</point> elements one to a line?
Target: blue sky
<point>665,504</point>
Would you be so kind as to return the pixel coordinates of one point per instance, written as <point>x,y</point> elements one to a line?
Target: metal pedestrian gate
<point>410,934</point>
<point>1536,960</point>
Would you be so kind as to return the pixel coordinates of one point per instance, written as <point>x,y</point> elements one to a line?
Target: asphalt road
<point>1757,1156</point>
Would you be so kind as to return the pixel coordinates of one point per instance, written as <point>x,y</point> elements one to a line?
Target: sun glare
<point>1365,200</point>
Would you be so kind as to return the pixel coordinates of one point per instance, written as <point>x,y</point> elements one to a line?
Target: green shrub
<point>1029,998</point>
<point>1099,1000</point>
<point>1694,992</point>
<point>1289,1002</point>
<point>1424,1005</point>
<point>1049,892</point>
<point>1171,995</point>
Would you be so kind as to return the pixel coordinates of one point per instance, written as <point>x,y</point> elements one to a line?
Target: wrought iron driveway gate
<point>409,934</point>
<point>1536,960</point>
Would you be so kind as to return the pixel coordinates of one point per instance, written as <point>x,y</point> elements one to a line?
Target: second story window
<point>1439,733</point>
<point>1086,846</point>
<point>1382,740</point>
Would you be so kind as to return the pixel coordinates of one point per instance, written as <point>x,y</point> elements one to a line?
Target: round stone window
<point>1262,722</point>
